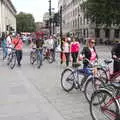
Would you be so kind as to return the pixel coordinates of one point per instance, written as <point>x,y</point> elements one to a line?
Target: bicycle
<point>36,56</point>
<point>107,101</point>
<point>48,55</point>
<point>11,59</point>
<point>110,76</point>
<point>77,78</point>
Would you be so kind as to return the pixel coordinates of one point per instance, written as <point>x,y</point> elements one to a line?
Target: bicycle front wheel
<point>32,57</point>
<point>39,61</point>
<point>105,110</point>
<point>67,80</point>
<point>12,61</point>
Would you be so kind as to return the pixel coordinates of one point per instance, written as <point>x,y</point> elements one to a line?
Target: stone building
<point>7,16</point>
<point>74,21</point>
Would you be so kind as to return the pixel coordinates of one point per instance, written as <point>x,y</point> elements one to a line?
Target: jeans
<point>19,56</point>
<point>4,52</point>
<point>40,53</point>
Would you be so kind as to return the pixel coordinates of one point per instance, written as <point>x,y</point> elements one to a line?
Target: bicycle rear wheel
<point>107,109</point>
<point>50,57</point>
<point>67,80</point>
<point>91,86</point>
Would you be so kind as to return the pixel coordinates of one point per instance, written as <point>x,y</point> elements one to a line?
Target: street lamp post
<point>50,31</point>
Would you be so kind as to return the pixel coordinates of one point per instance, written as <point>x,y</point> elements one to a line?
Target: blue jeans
<point>40,53</point>
<point>4,52</point>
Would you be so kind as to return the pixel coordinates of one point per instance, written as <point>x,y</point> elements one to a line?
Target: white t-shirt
<point>9,43</point>
<point>50,43</point>
<point>66,48</point>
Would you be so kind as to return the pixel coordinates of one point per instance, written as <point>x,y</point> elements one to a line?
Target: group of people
<point>72,47</point>
<point>9,41</point>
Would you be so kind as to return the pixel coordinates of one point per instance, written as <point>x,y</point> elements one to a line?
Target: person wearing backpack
<point>18,45</point>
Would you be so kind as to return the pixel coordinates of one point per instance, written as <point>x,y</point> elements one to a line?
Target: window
<point>117,33</point>
<point>97,32</point>
<point>107,33</point>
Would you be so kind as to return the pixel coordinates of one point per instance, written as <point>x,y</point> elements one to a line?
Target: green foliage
<point>103,12</point>
<point>25,22</point>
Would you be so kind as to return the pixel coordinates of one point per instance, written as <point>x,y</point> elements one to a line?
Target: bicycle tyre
<point>88,91</point>
<point>32,58</point>
<point>114,102</point>
<point>39,61</point>
<point>105,77</point>
<point>13,61</point>
<point>50,58</point>
<point>62,80</point>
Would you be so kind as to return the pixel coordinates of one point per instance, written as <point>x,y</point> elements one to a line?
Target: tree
<point>103,12</point>
<point>25,22</point>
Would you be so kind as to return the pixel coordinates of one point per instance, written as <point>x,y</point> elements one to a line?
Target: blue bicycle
<point>79,78</point>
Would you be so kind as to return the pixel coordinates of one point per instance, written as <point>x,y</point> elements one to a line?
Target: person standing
<point>89,52</point>
<point>66,51</point>
<point>74,48</point>
<point>4,45</point>
<point>116,56</point>
<point>18,45</point>
<point>9,42</point>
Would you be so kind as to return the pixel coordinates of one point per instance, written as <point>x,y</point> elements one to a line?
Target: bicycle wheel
<point>32,57</point>
<point>12,61</point>
<point>91,86</point>
<point>67,80</point>
<point>9,58</point>
<point>101,73</point>
<point>50,57</point>
<point>106,110</point>
<point>39,61</point>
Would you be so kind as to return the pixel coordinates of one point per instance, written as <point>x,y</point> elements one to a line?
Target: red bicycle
<point>105,104</point>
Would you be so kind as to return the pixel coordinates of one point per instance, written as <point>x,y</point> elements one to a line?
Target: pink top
<point>75,47</point>
<point>93,55</point>
<point>18,43</point>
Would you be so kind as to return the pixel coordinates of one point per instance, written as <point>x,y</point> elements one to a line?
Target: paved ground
<point>28,93</point>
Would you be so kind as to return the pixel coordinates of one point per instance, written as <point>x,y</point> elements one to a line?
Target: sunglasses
<point>92,42</point>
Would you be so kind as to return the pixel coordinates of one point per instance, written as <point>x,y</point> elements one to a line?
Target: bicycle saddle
<point>116,85</point>
<point>108,61</point>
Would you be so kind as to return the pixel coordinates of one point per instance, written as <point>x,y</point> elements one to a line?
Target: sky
<point>35,7</point>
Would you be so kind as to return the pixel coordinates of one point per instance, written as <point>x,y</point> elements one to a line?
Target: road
<point>28,93</point>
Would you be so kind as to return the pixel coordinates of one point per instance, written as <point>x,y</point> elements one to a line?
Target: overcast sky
<point>35,7</point>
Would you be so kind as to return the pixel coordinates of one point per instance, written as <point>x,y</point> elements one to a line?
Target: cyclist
<point>18,45</point>
<point>39,45</point>
<point>50,45</point>
<point>89,52</point>
<point>116,56</point>
<point>9,42</point>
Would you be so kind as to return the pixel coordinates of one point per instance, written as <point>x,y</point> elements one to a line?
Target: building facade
<point>74,21</point>
<point>7,16</point>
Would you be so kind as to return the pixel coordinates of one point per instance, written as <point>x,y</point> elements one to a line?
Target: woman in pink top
<point>18,45</point>
<point>74,48</point>
<point>66,50</point>
<point>89,52</point>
